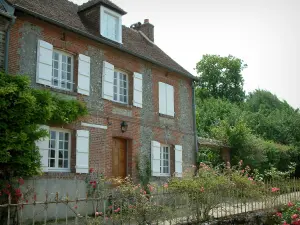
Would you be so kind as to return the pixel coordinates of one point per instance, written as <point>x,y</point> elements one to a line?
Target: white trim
<point>57,130</point>
<point>162,159</point>
<point>104,10</point>
<point>94,125</point>
<point>60,54</point>
<point>118,87</point>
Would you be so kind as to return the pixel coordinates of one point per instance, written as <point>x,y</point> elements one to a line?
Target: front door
<point>119,162</point>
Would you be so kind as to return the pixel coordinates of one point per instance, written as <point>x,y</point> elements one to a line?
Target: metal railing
<point>161,206</point>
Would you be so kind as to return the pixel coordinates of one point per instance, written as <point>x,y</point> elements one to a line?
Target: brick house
<point>140,101</point>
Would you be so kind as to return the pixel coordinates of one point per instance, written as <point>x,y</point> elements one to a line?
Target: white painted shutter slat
<point>170,100</point>
<point>43,145</point>
<point>178,160</point>
<point>107,81</point>
<point>84,68</point>
<point>82,151</point>
<point>162,98</point>
<point>44,63</point>
<point>155,158</point>
<point>138,90</point>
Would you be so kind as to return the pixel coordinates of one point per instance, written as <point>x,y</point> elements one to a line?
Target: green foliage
<point>220,77</point>
<point>209,156</point>
<point>143,167</point>
<point>21,110</point>
<point>212,186</point>
<point>289,214</point>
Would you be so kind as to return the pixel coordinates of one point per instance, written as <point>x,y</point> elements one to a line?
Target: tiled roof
<point>65,13</point>
<point>108,3</point>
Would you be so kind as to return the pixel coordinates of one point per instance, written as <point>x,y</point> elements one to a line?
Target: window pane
<point>61,136</point>
<point>52,144</point>
<point>60,163</point>
<point>64,58</point>
<point>66,136</point>
<point>52,163</point>
<point>60,154</point>
<point>68,76</point>
<point>65,163</point>
<point>55,82</point>
<point>61,145</point>
<point>69,60</point>
<point>121,98</point>
<point>115,97</point>
<point>52,154</point>
<point>115,75</point>
<point>64,66</point>
<point>63,75</point>
<point>55,73</point>
<point>66,145</point>
<point>69,86</point>
<point>69,68</point>
<point>63,84</point>
<point>55,55</point>
<point>115,90</point>
<point>125,99</point>
<point>66,153</point>
<point>52,134</point>
<point>55,65</point>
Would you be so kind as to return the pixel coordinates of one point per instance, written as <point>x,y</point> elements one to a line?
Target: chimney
<point>147,28</point>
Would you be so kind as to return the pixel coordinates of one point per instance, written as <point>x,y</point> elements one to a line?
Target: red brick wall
<point>100,139</point>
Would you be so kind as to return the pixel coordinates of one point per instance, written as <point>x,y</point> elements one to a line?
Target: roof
<point>107,3</point>
<point>65,14</point>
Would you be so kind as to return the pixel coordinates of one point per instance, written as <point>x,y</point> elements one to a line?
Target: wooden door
<point>119,162</point>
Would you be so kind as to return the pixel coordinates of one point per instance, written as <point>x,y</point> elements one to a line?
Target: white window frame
<point>104,10</point>
<point>118,87</point>
<point>60,70</point>
<point>56,168</point>
<point>162,160</point>
<point>167,99</point>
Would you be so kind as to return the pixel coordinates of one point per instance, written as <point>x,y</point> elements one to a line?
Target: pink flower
<point>279,214</point>
<point>275,189</point>
<point>202,189</point>
<point>117,210</point>
<point>250,178</point>
<point>285,223</point>
<point>97,213</point>
<point>110,207</point>
<point>290,204</point>
<point>92,170</point>
<point>166,185</point>
<point>295,216</point>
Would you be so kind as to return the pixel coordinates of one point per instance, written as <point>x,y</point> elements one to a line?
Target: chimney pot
<point>146,21</point>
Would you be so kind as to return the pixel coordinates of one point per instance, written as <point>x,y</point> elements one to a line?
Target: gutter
<point>7,38</point>
<point>101,40</point>
<point>194,117</point>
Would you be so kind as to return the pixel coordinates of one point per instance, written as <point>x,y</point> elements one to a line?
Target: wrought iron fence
<point>161,206</point>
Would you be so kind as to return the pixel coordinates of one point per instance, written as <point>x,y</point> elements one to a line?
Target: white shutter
<point>108,81</point>
<point>178,160</point>
<point>170,100</point>
<point>82,151</point>
<point>44,63</point>
<point>155,158</point>
<point>138,90</point>
<point>43,145</point>
<point>162,98</point>
<point>84,68</point>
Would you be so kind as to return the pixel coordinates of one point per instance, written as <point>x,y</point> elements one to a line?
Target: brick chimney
<point>147,28</point>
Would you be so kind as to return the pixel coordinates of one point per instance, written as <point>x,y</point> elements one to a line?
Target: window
<point>166,99</point>
<point>59,150</point>
<point>62,70</point>
<point>111,24</point>
<point>120,87</point>
<point>165,160</point>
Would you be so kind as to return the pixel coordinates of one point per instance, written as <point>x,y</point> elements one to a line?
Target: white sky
<point>264,33</point>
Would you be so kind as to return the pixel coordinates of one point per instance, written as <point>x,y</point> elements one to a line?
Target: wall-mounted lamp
<point>124,126</point>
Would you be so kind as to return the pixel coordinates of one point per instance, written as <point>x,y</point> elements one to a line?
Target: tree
<point>22,109</point>
<point>220,77</point>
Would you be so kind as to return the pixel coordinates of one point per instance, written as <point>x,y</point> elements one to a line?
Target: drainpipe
<point>194,117</point>
<point>7,37</point>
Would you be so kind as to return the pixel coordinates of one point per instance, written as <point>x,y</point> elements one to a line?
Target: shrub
<point>290,214</point>
<point>214,186</point>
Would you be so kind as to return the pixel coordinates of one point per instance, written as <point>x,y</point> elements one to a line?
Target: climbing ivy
<point>22,109</point>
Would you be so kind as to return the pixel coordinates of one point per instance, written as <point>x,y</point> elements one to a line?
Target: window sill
<point>163,175</point>
<point>57,90</point>
<point>166,116</point>
<point>58,171</point>
<point>122,105</point>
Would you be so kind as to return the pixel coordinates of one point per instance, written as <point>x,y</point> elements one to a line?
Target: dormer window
<point>110,24</point>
